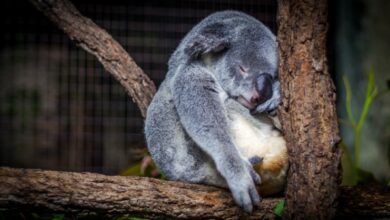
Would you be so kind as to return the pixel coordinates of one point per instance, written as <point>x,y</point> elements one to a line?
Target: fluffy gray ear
<point>211,39</point>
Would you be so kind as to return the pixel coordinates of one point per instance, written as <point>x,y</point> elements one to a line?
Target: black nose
<point>264,88</point>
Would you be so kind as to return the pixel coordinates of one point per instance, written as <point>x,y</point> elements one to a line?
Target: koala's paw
<point>244,190</point>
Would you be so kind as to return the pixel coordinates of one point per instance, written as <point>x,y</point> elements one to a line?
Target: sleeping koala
<point>205,123</point>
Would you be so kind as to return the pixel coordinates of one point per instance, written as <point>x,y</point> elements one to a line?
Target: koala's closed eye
<point>243,71</point>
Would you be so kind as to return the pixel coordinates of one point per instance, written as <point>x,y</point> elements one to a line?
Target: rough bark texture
<point>365,202</point>
<point>82,194</point>
<point>308,113</point>
<point>88,193</point>
<point>98,42</point>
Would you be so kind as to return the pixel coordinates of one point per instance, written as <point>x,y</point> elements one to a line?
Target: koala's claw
<point>253,161</point>
<point>255,197</point>
<point>256,177</point>
<point>244,189</point>
<point>247,198</point>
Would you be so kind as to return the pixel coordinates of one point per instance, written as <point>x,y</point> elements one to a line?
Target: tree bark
<point>87,193</point>
<point>99,43</point>
<point>308,112</point>
<point>81,194</point>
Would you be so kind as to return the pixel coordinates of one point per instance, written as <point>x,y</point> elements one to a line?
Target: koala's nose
<point>264,88</point>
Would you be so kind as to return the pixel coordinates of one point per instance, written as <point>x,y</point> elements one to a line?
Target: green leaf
<point>35,215</point>
<point>364,176</point>
<point>348,101</point>
<point>349,170</point>
<point>352,173</point>
<point>134,170</point>
<point>279,208</point>
<point>58,217</point>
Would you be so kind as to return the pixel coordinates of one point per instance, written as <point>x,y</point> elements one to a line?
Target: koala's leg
<point>174,152</point>
<point>197,98</point>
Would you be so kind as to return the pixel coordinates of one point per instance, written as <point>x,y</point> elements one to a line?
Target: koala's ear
<point>212,39</point>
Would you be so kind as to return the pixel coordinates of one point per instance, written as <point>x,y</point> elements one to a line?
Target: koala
<point>208,122</point>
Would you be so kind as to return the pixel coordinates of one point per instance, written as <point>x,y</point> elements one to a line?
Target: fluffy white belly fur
<point>266,142</point>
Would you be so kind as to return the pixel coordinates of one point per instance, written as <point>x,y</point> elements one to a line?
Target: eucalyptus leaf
<point>279,208</point>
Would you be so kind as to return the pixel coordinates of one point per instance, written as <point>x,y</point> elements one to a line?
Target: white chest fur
<point>251,140</point>
<point>263,141</point>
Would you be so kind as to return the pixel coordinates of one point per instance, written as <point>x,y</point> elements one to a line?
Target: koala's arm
<point>202,113</point>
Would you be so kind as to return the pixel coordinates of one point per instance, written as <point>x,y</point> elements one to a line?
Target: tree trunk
<point>308,112</point>
<point>80,194</point>
<point>99,43</point>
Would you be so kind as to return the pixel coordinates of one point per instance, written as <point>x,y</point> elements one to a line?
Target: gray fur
<point>187,124</point>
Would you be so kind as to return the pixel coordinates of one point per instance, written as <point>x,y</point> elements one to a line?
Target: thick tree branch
<point>88,193</point>
<point>98,42</point>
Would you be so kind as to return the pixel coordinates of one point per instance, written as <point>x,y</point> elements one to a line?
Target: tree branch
<point>99,43</point>
<point>88,193</point>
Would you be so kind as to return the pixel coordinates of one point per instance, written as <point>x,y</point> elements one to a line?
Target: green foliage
<point>146,167</point>
<point>58,217</point>
<point>134,170</point>
<point>279,208</point>
<point>352,172</point>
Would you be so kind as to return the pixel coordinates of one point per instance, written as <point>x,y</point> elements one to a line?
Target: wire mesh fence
<point>59,109</point>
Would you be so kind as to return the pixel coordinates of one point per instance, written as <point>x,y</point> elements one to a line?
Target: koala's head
<point>243,58</point>
<point>247,71</point>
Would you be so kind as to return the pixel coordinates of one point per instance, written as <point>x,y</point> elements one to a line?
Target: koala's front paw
<point>243,188</point>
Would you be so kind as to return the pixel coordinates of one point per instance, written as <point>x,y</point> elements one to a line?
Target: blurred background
<point>60,110</point>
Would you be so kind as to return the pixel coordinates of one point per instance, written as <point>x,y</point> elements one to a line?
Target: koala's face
<point>248,73</point>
